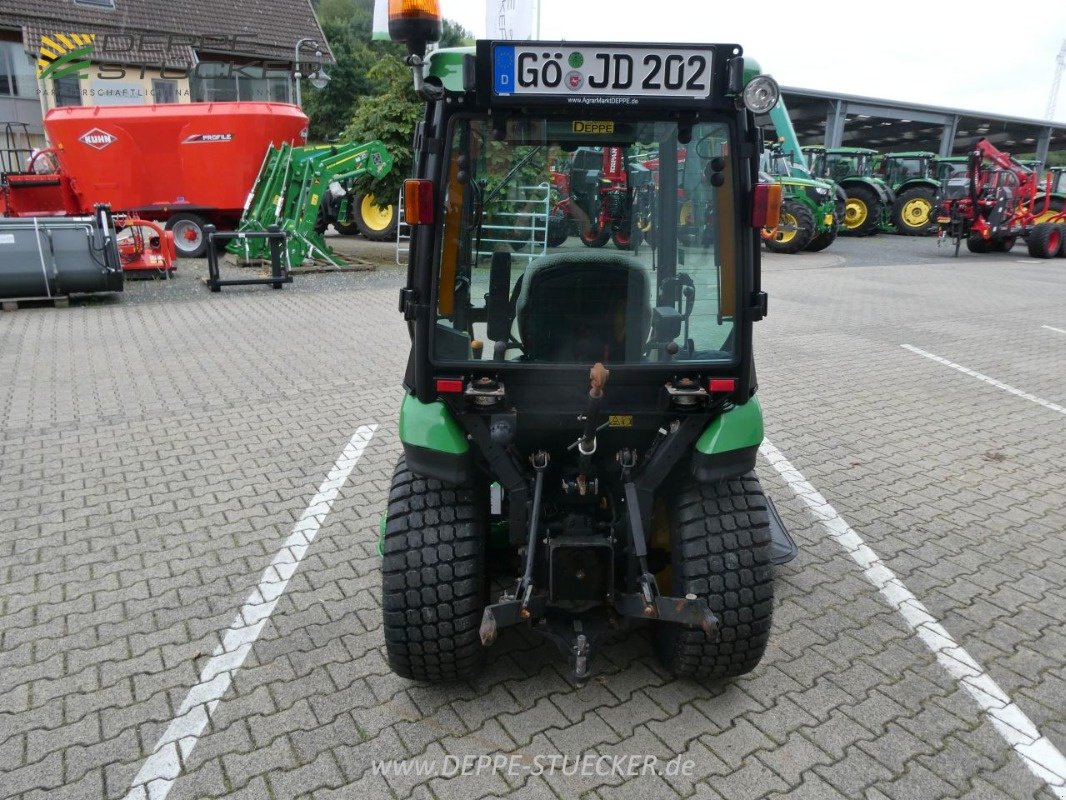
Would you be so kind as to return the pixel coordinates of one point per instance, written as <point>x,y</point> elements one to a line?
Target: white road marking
<point>991,381</point>
<point>162,768</point>
<point>1036,752</point>
<point>1060,330</point>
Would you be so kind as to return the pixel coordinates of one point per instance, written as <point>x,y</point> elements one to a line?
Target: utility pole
<point>1060,64</point>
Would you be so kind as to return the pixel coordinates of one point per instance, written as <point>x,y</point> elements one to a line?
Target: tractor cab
<point>579,424</point>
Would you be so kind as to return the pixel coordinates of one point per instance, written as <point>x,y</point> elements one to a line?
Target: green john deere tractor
<point>911,177</point>
<point>580,426</point>
<point>870,200</point>
<point>1052,207</point>
<point>808,211</point>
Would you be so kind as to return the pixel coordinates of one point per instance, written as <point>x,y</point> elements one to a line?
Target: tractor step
<point>782,546</point>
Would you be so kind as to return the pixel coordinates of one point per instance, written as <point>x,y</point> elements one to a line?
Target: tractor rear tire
<point>863,212</point>
<point>1045,240</point>
<point>433,577</point>
<point>190,241</point>
<point>1055,206</point>
<point>720,550</point>
<point>797,216</point>
<point>376,224</point>
<point>976,244</point>
<point>912,213</point>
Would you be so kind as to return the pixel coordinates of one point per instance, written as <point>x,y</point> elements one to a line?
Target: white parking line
<point>1036,752</point>
<point>991,381</point>
<point>159,771</point>
<point>1060,330</point>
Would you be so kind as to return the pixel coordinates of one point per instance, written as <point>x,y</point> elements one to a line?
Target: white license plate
<point>601,71</point>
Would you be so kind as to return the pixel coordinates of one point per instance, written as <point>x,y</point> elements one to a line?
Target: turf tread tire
<point>720,549</point>
<point>433,584</point>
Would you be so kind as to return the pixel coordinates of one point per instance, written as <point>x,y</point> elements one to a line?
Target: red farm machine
<point>178,165</point>
<point>996,202</point>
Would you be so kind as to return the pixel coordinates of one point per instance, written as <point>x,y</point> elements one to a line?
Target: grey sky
<point>970,55</point>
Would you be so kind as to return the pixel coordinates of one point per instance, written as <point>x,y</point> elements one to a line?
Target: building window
<point>16,74</point>
<point>164,91</point>
<point>68,91</point>
<point>217,81</point>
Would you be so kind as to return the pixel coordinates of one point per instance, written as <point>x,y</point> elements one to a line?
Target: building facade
<point>105,52</point>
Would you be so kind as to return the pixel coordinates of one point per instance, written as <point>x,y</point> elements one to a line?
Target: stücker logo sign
<point>97,138</point>
<point>65,54</point>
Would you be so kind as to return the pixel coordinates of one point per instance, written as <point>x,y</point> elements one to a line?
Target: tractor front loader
<point>293,185</point>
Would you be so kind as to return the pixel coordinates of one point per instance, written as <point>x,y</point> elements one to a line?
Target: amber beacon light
<point>415,22</point>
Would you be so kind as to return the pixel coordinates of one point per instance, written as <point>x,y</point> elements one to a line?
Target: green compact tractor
<point>912,179</point>
<point>580,425</point>
<point>870,200</point>
<point>808,211</point>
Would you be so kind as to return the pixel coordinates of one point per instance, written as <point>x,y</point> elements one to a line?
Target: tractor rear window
<point>553,243</point>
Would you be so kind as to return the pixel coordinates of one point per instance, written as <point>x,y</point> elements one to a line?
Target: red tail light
<point>418,202</point>
<point>721,385</point>
<point>766,205</point>
<point>449,385</point>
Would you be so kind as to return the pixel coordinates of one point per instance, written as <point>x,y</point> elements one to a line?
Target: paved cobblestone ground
<point>154,455</point>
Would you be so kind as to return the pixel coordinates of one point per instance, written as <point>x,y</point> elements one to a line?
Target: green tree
<point>370,94</point>
<point>390,117</point>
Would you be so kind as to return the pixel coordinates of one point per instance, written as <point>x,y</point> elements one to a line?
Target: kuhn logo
<point>198,138</point>
<point>97,138</point>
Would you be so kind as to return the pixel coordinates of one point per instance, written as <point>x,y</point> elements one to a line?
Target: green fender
<point>727,448</point>
<point>431,426</point>
<point>433,442</point>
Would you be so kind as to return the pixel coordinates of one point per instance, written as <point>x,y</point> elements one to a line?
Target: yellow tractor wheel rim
<point>1050,213</point>
<point>855,213</point>
<point>375,218</point>
<point>787,221</point>
<point>915,212</point>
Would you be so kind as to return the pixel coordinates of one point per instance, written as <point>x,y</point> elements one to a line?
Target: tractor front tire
<point>433,577</point>
<point>190,241</point>
<point>347,228</point>
<point>593,236</point>
<point>1045,240</point>
<point>376,224</point>
<point>720,550</point>
<point>912,214</point>
<point>823,239</point>
<point>558,228</point>
<point>862,213</point>
<point>800,223</point>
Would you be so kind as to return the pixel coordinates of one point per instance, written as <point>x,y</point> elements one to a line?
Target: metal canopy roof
<point>888,125</point>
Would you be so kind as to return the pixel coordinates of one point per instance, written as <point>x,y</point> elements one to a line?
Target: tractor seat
<point>584,307</point>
